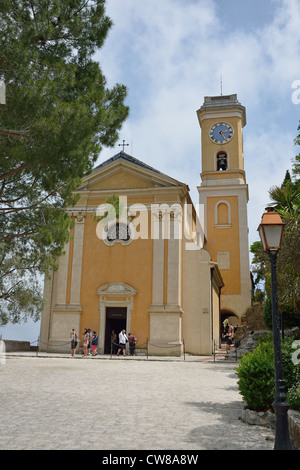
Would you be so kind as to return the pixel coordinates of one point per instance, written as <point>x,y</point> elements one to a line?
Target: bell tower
<point>224,195</point>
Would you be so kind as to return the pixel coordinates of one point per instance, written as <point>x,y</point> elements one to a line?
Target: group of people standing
<point>117,348</point>
<point>228,333</point>
<point>90,342</point>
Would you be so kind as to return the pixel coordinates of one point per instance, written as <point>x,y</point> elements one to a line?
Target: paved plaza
<point>55,402</point>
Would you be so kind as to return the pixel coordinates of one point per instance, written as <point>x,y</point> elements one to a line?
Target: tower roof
<point>221,106</point>
<point>221,101</point>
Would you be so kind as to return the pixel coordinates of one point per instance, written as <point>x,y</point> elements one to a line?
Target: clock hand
<point>221,132</point>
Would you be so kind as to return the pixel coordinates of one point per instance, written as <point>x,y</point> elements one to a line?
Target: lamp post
<point>271,231</point>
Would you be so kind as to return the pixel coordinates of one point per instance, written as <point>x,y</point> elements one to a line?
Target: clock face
<point>221,133</point>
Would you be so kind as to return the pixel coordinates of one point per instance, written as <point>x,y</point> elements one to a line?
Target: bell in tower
<point>221,161</point>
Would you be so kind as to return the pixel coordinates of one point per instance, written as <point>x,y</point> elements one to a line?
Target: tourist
<point>113,340</point>
<point>229,340</point>
<point>122,342</point>
<point>132,342</point>
<point>89,341</point>
<point>74,342</point>
<point>85,342</point>
<point>94,343</point>
<point>225,326</point>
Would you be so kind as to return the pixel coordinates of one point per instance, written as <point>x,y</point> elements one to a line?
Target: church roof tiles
<point>128,158</point>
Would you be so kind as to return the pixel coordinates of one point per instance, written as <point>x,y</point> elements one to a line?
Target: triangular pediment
<point>125,172</point>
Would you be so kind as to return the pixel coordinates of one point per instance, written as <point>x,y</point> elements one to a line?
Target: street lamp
<point>271,231</point>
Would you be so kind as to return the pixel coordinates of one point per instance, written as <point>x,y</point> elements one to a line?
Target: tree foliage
<point>59,113</point>
<point>259,263</point>
<point>286,201</point>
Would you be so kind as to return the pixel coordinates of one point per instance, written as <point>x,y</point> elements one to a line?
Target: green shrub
<point>256,377</point>
<point>293,397</point>
<point>267,313</point>
<point>256,374</point>
<point>264,338</point>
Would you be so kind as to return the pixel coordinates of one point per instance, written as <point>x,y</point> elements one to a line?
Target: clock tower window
<point>222,161</point>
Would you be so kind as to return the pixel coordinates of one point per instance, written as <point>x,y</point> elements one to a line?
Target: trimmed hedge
<point>257,379</point>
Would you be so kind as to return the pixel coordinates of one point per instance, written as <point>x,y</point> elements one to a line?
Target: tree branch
<point>10,201</point>
<point>10,236</point>
<point>8,210</point>
<point>14,133</point>
<point>13,172</point>
<point>7,294</point>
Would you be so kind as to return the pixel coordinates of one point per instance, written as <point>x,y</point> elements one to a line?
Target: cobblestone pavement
<point>50,402</point>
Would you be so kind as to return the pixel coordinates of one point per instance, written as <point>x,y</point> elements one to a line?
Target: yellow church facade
<point>152,268</point>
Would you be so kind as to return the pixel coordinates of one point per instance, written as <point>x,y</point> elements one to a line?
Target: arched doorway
<point>115,307</point>
<point>232,320</point>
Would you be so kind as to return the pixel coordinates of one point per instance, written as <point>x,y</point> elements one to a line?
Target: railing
<point>225,353</point>
<point>145,346</point>
<point>167,345</point>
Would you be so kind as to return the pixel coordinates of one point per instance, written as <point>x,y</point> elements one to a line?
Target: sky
<point>170,54</point>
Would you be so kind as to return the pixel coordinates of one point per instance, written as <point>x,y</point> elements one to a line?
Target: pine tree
<point>58,115</point>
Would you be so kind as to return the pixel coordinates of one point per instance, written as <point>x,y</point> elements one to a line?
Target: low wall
<point>294,428</point>
<point>267,419</point>
<point>14,346</point>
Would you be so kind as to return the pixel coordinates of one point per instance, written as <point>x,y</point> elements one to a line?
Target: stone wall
<point>267,419</point>
<point>16,346</point>
<point>294,427</point>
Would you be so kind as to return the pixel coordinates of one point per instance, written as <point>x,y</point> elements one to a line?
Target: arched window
<point>223,213</point>
<point>222,161</point>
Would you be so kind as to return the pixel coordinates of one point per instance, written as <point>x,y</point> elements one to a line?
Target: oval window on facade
<point>118,232</point>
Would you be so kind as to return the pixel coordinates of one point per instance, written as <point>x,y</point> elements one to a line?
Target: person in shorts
<point>94,343</point>
<point>122,343</point>
<point>74,342</point>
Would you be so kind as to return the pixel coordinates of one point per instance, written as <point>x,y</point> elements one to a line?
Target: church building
<point>142,258</point>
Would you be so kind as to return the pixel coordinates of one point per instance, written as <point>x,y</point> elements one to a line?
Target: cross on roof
<point>123,144</point>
